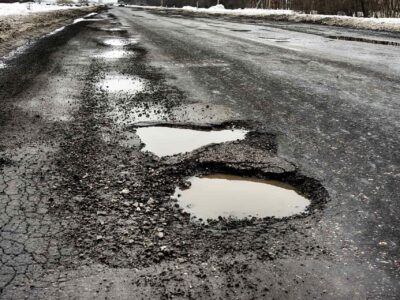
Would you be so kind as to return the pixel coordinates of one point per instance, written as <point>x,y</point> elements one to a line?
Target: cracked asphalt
<point>85,213</point>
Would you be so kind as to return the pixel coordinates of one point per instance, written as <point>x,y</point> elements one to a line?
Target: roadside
<point>17,30</point>
<point>379,24</point>
<point>27,8</point>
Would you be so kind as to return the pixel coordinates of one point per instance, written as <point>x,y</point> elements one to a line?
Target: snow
<point>55,31</point>
<point>220,9</point>
<point>390,24</point>
<point>217,7</point>
<point>8,9</point>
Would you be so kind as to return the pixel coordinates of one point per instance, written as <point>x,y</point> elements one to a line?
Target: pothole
<point>231,196</point>
<point>115,83</point>
<point>112,54</point>
<point>117,42</point>
<point>116,29</point>
<point>166,141</point>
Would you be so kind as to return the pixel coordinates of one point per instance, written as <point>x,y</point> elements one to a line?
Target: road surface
<point>85,214</point>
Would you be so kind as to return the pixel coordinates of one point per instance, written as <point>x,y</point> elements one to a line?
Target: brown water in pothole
<point>233,196</point>
<point>164,141</point>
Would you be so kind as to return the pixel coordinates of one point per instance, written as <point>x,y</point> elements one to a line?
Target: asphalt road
<point>323,114</point>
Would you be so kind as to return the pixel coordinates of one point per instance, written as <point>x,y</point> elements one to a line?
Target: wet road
<point>334,105</point>
<point>324,108</point>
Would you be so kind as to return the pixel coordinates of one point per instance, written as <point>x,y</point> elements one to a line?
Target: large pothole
<point>117,83</point>
<point>166,141</point>
<point>231,196</point>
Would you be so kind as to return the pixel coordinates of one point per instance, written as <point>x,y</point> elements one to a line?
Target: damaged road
<point>86,211</point>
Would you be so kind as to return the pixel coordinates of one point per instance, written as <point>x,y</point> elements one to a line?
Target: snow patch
<point>86,20</point>
<point>9,9</point>
<point>217,7</point>
<point>57,30</point>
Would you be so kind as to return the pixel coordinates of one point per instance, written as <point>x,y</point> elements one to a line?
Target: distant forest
<point>369,8</point>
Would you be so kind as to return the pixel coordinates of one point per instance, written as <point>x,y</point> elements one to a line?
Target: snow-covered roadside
<point>9,9</point>
<point>220,9</point>
<point>16,31</point>
<point>387,24</point>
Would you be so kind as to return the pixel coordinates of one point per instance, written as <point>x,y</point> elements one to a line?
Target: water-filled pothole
<point>233,196</point>
<point>115,83</point>
<point>112,54</point>
<point>165,141</point>
<point>115,29</point>
<point>118,42</point>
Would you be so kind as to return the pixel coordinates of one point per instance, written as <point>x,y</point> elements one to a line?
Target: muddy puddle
<point>165,141</point>
<point>233,196</point>
<point>116,83</point>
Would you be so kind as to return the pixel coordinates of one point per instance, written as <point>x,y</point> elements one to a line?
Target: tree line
<point>367,8</point>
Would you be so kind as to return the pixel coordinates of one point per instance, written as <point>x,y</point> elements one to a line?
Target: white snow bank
<point>8,9</point>
<point>390,24</point>
<point>217,7</point>
<point>220,9</point>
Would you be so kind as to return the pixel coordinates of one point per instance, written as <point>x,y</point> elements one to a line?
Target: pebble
<point>125,192</point>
